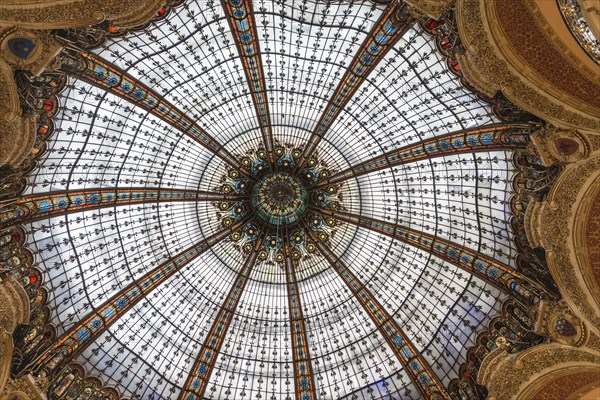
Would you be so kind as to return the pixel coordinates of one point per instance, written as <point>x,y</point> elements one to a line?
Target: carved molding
<point>559,227</point>
<point>53,14</point>
<point>558,322</point>
<point>516,376</point>
<point>433,8</point>
<point>14,310</point>
<point>17,131</point>
<point>533,228</point>
<point>591,13</point>
<point>25,388</point>
<point>18,21</point>
<point>9,98</point>
<point>490,65</point>
<point>16,140</point>
<point>14,305</point>
<point>6,350</point>
<point>561,146</point>
<point>547,20</point>
<point>584,253</point>
<point>45,49</point>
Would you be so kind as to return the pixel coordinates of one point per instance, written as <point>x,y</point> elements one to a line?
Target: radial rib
<point>85,332</point>
<point>197,381</point>
<point>489,270</point>
<point>36,207</point>
<point>303,375</point>
<point>94,69</point>
<point>243,27</point>
<point>424,379</point>
<point>490,138</point>
<point>390,27</point>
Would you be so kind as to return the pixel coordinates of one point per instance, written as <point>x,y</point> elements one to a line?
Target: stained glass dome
<point>270,200</point>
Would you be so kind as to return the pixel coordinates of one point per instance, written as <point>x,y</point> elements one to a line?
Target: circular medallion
<point>279,199</point>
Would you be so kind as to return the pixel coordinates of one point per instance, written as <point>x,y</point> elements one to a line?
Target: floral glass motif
<point>183,251</point>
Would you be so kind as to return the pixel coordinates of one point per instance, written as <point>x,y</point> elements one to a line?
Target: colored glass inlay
<point>279,199</point>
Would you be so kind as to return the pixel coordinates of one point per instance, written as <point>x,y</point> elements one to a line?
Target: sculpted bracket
<point>563,217</point>
<point>561,146</point>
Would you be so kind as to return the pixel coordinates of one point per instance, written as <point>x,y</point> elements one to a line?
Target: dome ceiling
<point>271,200</point>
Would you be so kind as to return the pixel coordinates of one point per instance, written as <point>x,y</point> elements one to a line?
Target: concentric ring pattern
<point>226,321</point>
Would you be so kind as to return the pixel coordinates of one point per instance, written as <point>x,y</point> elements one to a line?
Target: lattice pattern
<point>169,272</point>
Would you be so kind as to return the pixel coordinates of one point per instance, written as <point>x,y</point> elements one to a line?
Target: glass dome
<point>272,200</point>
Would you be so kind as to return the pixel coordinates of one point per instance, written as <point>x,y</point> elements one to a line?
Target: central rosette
<point>279,199</point>
<point>278,207</point>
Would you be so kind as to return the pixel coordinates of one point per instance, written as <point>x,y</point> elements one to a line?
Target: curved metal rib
<point>494,272</point>
<point>494,137</point>
<point>82,334</point>
<point>390,27</point>
<point>197,381</point>
<point>94,69</point>
<point>243,27</point>
<point>426,382</point>
<point>37,207</point>
<point>303,374</point>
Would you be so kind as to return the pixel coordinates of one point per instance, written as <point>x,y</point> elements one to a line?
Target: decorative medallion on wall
<point>21,47</point>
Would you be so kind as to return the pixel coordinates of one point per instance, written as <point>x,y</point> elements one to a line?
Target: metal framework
<point>488,269</point>
<point>303,373</point>
<point>197,381</point>
<point>424,379</point>
<point>243,26</point>
<point>489,138</point>
<point>390,28</point>
<point>97,71</point>
<point>82,334</point>
<point>37,207</point>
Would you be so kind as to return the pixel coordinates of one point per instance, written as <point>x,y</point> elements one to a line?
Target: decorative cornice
<point>578,25</point>
<point>9,99</point>
<point>52,14</point>
<point>509,333</point>
<point>45,48</point>
<point>433,8</point>
<point>484,64</point>
<point>14,305</point>
<point>563,217</point>
<point>18,128</point>
<point>25,388</point>
<point>508,376</point>
<point>14,310</point>
<point>449,43</point>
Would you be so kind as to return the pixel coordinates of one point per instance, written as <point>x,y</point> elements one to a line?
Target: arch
<point>529,374</point>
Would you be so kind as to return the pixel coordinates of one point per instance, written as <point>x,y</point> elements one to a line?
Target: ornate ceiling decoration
<point>573,15</point>
<point>270,200</point>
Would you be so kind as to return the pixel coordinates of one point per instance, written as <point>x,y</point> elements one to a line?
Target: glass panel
<point>191,59</point>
